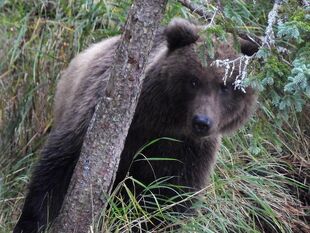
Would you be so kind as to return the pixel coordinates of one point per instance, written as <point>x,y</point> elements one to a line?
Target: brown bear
<point>181,98</point>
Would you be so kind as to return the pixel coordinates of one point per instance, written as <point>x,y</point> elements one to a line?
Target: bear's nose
<point>201,124</point>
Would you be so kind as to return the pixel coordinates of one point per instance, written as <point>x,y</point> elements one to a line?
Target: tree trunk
<point>95,171</point>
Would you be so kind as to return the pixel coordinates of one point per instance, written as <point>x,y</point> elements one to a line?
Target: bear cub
<point>181,98</point>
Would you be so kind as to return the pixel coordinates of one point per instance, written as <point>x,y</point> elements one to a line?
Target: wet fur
<point>165,109</point>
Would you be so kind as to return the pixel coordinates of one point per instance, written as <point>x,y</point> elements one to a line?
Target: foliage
<point>287,75</point>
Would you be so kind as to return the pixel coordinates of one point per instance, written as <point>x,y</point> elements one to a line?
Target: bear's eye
<point>224,88</point>
<point>195,83</point>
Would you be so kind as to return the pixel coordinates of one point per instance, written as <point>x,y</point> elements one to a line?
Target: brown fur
<point>177,89</point>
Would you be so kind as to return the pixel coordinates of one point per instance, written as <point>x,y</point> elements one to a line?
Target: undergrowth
<point>261,180</point>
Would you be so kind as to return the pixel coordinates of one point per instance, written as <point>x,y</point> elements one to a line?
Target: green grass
<point>261,180</point>
<point>256,187</point>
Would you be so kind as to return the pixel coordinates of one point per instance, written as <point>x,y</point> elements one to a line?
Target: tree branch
<point>199,9</point>
<point>95,171</point>
<point>268,40</point>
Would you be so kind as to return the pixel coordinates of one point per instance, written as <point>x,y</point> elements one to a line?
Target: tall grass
<point>38,39</point>
<point>259,185</point>
<point>261,180</point>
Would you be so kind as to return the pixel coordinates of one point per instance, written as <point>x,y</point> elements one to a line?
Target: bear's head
<point>185,96</point>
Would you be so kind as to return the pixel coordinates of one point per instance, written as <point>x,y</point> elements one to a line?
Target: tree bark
<point>95,171</point>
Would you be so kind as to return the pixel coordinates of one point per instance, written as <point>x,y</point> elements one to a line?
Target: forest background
<point>261,181</point>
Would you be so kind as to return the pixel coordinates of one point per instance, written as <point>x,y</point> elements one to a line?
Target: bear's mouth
<point>202,134</point>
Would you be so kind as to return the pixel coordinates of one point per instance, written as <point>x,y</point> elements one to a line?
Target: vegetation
<point>261,181</point>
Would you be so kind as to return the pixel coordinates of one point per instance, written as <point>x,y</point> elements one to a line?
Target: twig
<point>229,65</point>
<point>268,40</point>
<point>199,10</point>
<point>195,8</point>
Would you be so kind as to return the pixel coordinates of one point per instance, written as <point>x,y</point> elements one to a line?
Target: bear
<point>182,98</point>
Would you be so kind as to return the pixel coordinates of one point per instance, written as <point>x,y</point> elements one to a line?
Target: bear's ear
<point>180,33</point>
<point>248,47</point>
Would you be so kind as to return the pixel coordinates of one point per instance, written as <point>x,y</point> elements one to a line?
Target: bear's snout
<point>201,125</point>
